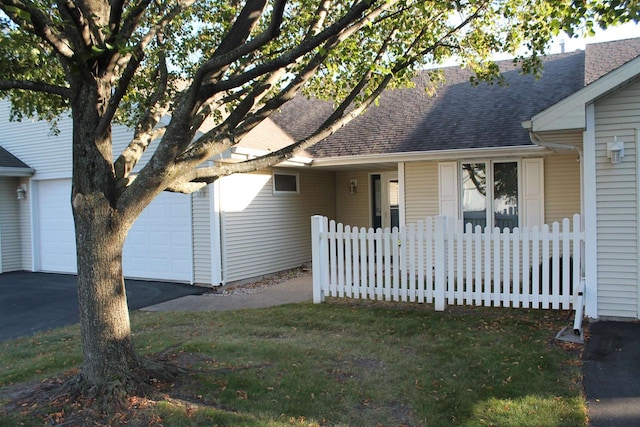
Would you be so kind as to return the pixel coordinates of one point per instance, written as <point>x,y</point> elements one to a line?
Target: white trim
<point>532,192</point>
<point>385,202</point>
<point>638,222</point>
<point>217,274</point>
<point>192,279</point>
<point>252,153</point>
<point>35,228</point>
<point>401,197</point>
<point>570,112</point>
<point>590,215</point>
<point>413,156</point>
<point>449,196</point>
<point>285,192</point>
<point>15,172</point>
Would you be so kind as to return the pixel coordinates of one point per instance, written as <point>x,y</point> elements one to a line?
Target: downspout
<point>579,297</point>
<point>539,141</point>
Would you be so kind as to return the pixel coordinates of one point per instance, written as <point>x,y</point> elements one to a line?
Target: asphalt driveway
<point>34,302</point>
<point>612,374</point>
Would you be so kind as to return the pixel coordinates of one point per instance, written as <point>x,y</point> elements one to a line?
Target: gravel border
<point>261,283</point>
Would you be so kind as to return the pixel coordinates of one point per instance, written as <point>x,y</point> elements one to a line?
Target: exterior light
<point>21,192</point>
<point>615,150</point>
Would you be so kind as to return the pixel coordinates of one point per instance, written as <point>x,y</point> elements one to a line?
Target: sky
<point>626,31</point>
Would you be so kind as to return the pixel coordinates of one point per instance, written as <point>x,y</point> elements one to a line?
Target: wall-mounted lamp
<point>21,191</point>
<point>615,150</point>
<point>353,186</point>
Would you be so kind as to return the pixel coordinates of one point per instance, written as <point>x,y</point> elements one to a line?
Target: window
<point>285,183</point>
<point>490,194</point>
<point>504,194</point>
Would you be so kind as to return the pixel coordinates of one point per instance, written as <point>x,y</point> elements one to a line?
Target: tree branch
<point>62,91</point>
<point>144,133</point>
<point>33,20</point>
<point>133,61</point>
<point>351,22</point>
<point>81,25</point>
<point>225,55</point>
<point>337,119</point>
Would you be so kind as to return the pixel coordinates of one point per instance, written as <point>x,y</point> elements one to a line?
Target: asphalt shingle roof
<point>601,58</point>
<point>8,160</point>
<point>460,116</point>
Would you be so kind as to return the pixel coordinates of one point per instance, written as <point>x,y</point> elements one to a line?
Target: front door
<point>385,202</point>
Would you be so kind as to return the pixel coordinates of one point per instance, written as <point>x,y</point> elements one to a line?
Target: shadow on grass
<point>354,363</point>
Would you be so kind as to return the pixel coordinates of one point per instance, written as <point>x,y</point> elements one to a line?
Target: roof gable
<point>10,165</point>
<point>569,113</point>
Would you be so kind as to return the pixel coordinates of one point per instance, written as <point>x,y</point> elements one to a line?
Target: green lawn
<point>351,364</point>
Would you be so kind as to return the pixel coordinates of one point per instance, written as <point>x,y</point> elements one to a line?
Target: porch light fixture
<point>21,191</point>
<point>615,150</point>
<point>353,186</point>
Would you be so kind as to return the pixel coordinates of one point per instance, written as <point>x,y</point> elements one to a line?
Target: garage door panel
<point>55,221</point>
<point>158,245</point>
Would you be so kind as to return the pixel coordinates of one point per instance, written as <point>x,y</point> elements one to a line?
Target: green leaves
<point>406,36</point>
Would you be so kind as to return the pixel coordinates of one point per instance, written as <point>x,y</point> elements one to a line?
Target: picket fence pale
<point>441,261</point>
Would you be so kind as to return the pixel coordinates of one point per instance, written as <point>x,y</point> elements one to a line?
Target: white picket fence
<point>441,262</point>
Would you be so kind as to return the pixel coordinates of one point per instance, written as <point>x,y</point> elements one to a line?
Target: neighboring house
<point>531,152</point>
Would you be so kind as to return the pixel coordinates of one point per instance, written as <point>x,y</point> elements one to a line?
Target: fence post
<point>440,263</point>
<point>318,257</point>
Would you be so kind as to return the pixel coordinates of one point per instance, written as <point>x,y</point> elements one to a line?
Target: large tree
<point>231,63</point>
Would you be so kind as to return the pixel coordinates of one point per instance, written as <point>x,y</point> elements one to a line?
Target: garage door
<point>55,225</point>
<point>158,245</point>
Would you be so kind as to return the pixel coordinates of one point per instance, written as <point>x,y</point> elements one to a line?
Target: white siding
<point>33,143</point>
<point>201,219</point>
<point>50,155</point>
<point>264,233</point>
<point>617,205</point>
<point>10,243</point>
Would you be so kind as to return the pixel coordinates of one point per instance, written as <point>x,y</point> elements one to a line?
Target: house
<point>530,152</point>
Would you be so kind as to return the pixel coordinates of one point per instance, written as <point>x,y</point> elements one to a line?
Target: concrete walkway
<point>298,289</point>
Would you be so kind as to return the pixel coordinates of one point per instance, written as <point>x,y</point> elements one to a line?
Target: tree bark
<point>107,345</point>
<point>110,362</point>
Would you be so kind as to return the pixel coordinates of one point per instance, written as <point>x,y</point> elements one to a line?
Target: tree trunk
<point>111,367</point>
<point>107,346</point>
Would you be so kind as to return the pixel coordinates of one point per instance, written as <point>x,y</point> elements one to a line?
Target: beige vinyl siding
<point>421,190</point>
<point>201,223</point>
<point>561,187</point>
<point>353,209</point>
<point>10,243</point>
<point>616,204</point>
<point>263,233</point>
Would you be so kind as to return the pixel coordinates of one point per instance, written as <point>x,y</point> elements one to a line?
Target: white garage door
<point>158,245</point>
<point>55,224</point>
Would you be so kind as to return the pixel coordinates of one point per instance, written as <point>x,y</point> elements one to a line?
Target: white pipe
<point>579,306</point>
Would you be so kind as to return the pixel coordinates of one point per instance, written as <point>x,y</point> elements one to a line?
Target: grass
<point>344,364</point>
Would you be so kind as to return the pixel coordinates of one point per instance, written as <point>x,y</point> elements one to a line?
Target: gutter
<point>429,155</point>
<point>252,153</point>
<point>537,140</point>
<point>14,172</point>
